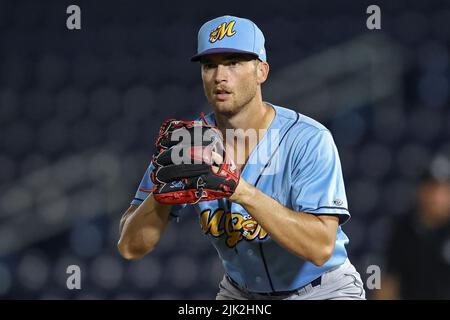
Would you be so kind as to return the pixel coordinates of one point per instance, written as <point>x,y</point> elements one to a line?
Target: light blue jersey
<point>304,174</point>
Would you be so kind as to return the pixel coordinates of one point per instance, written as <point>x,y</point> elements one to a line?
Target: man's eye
<point>234,63</point>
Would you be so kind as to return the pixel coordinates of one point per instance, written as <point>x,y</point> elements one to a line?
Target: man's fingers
<point>215,169</point>
<point>216,158</point>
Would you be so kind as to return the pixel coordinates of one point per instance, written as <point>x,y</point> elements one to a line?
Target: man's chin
<point>225,108</point>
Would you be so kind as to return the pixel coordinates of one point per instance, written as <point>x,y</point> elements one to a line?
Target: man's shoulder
<point>288,117</point>
<point>300,121</point>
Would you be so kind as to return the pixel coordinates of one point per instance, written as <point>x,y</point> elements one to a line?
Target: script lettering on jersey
<point>235,226</point>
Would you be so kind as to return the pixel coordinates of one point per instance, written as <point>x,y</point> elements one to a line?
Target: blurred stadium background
<point>79,111</point>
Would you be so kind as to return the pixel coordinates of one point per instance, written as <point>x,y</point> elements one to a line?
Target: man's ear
<point>262,71</point>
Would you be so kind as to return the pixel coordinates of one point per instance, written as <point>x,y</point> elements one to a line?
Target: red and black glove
<point>191,164</point>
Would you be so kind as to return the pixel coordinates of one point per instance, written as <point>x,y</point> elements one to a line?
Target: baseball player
<point>274,220</point>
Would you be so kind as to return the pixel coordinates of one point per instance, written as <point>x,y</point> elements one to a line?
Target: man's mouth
<point>221,94</point>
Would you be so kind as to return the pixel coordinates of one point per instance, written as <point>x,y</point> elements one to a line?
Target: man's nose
<point>221,73</point>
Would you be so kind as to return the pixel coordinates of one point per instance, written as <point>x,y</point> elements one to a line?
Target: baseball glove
<point>191,164</point>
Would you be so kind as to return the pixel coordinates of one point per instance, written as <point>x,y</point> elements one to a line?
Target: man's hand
<point>243,190</point>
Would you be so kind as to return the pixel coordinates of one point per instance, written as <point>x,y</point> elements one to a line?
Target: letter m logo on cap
<point>225,29</point>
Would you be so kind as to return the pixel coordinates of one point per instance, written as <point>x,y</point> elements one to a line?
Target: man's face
<point>435,199</point>
<point>230,81</point>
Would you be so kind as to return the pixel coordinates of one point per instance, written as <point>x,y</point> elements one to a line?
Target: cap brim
<point>220,50</point>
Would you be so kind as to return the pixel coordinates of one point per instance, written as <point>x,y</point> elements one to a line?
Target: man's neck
<point>433,221</point>
<point>257,115</point>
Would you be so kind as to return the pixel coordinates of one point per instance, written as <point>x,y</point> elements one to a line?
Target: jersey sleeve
<point>317,181</point>
<point>145,189</point>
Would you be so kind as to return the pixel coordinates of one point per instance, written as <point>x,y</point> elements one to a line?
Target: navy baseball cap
<point>230,34</point>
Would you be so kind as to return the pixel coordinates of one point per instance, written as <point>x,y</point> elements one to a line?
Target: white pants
<point>342,283</point>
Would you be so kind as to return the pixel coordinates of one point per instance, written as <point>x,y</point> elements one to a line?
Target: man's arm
<point>141,228</point>
<point>309,236</point>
